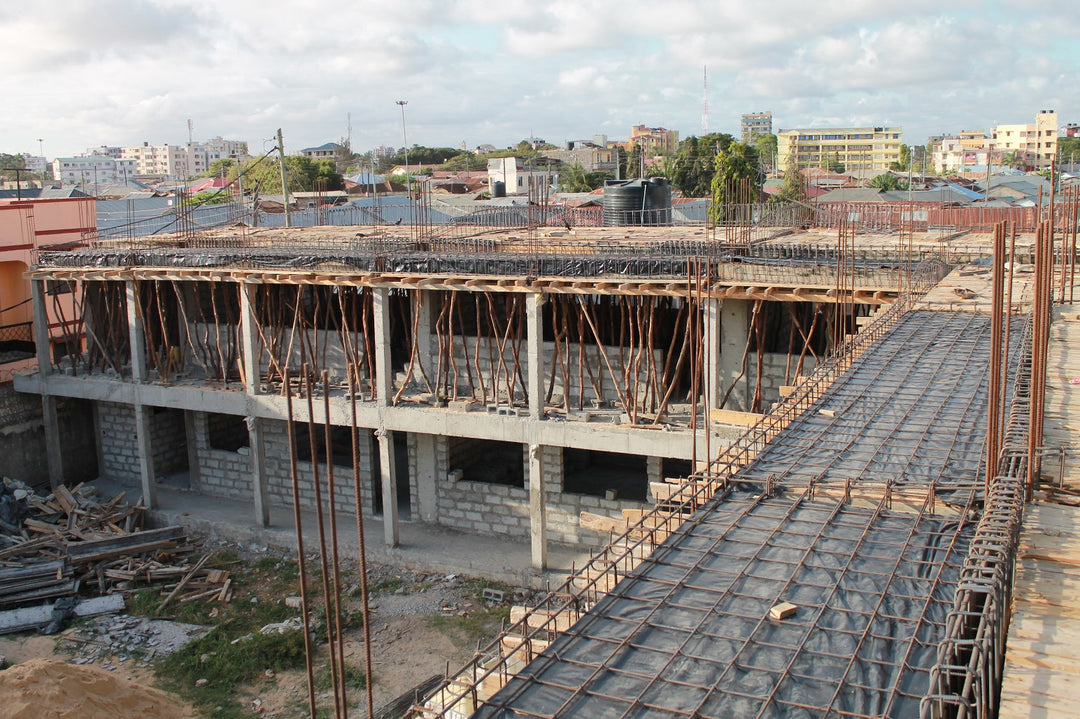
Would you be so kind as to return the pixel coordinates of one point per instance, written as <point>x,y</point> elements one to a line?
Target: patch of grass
<point>386,586</point>
<point>354,677</point>
<point>228,663</point>
<point>476,587</point>
<point>465,631</point>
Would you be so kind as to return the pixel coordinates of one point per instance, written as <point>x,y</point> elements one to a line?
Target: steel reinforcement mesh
<point>910,411</point>
<point>689,632</point>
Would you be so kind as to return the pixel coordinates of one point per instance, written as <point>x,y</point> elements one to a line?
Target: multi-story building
<point>590,157</point>
<point>181,161</point>
<point>863,151</point>
<point>756,124</point>
<point>325,151</point>
<point>516,177</point>
<point>92,171</point>
<point>654,140</point>
<point>1034,144</point>
<point>160,160</point>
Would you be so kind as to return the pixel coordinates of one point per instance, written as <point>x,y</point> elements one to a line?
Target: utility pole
<point>284,183</point>
<point>405,138</point>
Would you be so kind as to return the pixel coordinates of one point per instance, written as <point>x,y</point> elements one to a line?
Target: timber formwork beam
<point>465,283</point>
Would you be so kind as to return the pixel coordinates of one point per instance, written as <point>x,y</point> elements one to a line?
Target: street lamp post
<point>405,137</point>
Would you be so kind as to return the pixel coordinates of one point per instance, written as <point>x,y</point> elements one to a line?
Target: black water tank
<point>637,202</point>
<point>498,188</point>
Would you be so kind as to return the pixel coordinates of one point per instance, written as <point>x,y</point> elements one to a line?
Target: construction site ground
<point>421,623</point>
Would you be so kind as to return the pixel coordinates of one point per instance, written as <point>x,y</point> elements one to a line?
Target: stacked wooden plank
<point>67,542</point>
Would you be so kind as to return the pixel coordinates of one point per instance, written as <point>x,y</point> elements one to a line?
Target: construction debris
<point>66,543</point>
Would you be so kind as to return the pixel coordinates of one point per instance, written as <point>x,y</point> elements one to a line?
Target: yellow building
<point>1035,144</point>
<point>864,151</point>
<point>654,140</point>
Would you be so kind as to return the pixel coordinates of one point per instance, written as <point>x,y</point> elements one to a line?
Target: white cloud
<point>119,72</point>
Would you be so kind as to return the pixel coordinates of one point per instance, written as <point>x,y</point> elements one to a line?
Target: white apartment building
<point>1035,144</point>
<point>516,177</point>
<point>182,161</point>
<point>90,172</point>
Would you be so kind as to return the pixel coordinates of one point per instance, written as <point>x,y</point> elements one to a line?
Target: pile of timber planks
<point>67,543</point>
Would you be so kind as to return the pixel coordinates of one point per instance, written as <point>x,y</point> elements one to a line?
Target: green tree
<point>793,188</point>
<point>574,178</point>
<point>211,197</point>
<point>736,172</point>
<point>633,162</point>
<point>303,174</point>
<point>835,165</point>
<point>766,147</point>
<point>888,181</point>
<point>221,168</point>
<point>1068,150</point>
<point>693,164</point>
<point>905,160</point>
<point>1012,159</point>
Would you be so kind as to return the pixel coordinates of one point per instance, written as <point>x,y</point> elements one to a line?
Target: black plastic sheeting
<point>688,633</point>
<point>654,260</point>
<point>910,411</point>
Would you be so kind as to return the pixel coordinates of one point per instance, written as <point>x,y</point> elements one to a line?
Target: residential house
<point>654,140</point>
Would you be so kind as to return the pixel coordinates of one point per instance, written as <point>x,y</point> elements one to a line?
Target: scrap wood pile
<point>68,543</point>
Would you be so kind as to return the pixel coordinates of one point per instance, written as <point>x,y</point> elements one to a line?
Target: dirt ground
<point>421,625</point>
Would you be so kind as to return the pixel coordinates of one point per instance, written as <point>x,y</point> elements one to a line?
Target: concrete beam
<point>597,435</point>
<point>537,507</point>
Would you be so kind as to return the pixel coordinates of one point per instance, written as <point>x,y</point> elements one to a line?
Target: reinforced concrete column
<point>389,487</point>
<point>535,346</point>
<point>427,493</point>
<point>53,456</point>
<point>537,507</point>
<point>425,342</point>
<point>384,371</point>
<point>734,334</point>
<point>253,386</point>
<point>713,384</point>
<point>138,376</point>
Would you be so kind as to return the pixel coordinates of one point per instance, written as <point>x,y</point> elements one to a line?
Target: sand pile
<point>53,689</point>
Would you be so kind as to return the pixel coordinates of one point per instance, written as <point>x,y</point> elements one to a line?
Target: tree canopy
<point>303,174</point>
<point>793,188</point>
<point>693,165</point>
<point>574,178</point>
<point>736,172</point>
<point>888,181</point>
<point>418,155</point>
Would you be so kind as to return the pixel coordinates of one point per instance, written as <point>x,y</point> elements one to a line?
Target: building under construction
<point>800,446</point>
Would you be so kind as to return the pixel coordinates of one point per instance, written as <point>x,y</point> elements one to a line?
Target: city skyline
<point>120,73</point>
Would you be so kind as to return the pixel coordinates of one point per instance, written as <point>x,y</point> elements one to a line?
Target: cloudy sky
<point>81,73</point>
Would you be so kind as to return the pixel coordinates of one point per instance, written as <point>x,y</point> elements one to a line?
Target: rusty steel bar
<point>305,611</point>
